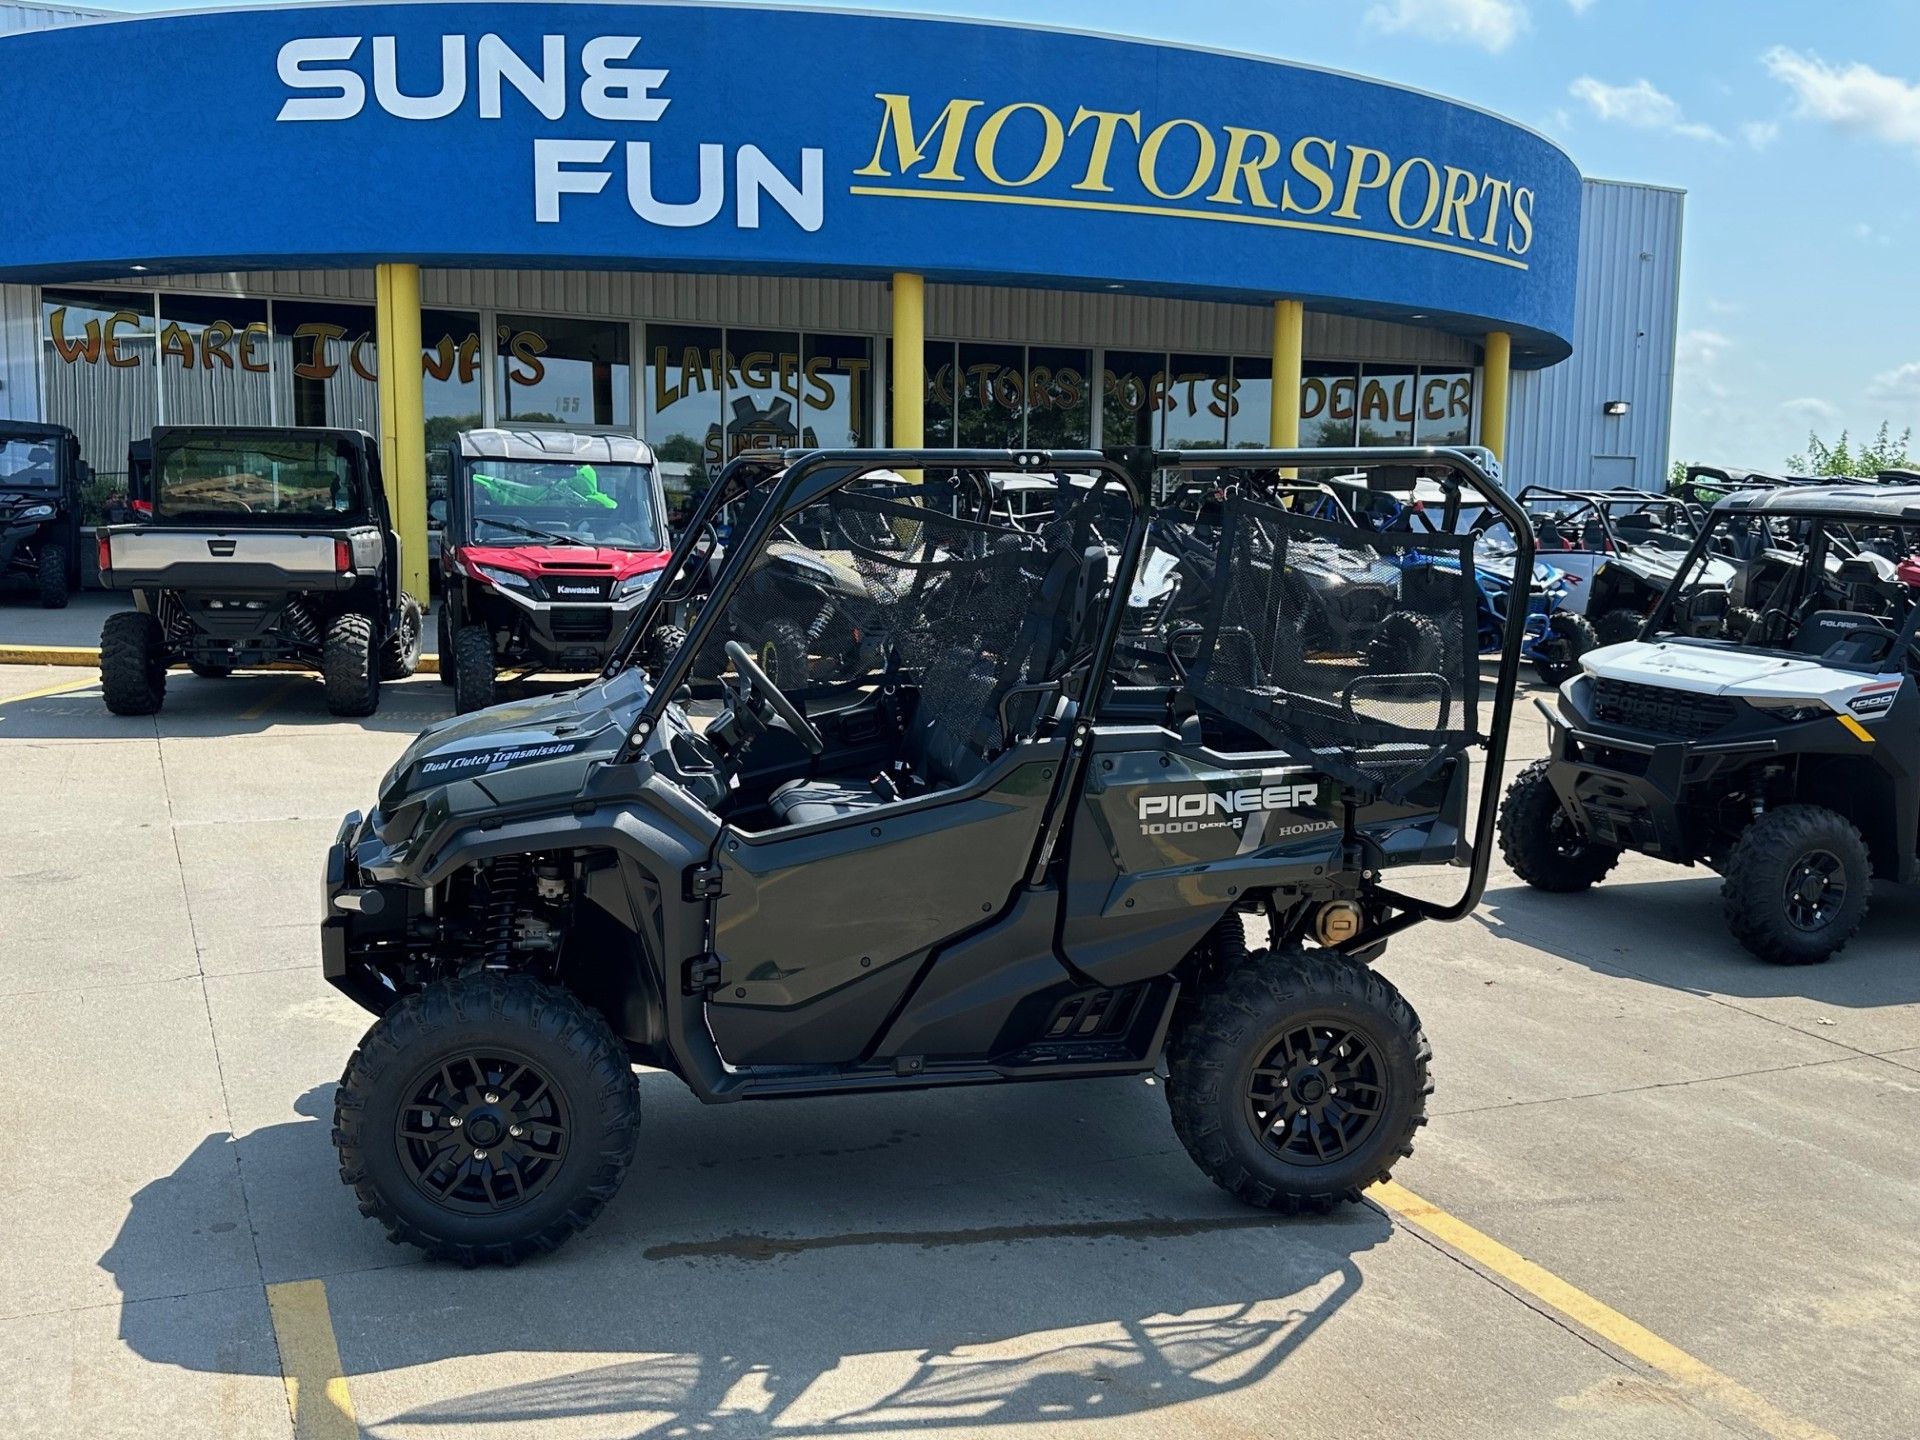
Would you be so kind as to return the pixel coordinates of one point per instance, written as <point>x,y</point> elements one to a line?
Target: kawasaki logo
<point>588,590</point>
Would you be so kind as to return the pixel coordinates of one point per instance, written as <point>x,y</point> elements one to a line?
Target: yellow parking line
<point>49,655</point>
<point>62,688</point>
<point>310,1362</point>
<point>273,697</point>
<point>1603,1320</point>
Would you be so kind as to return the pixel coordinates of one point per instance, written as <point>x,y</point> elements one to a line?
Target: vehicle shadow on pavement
<point>250,703</point>
<point>1672,933</point>
<point>1097,1309</point>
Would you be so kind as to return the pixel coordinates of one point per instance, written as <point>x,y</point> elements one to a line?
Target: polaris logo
<point>1169,813</point>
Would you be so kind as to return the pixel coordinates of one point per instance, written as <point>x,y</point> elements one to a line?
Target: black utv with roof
<point>263,546</point>
<point>977,857</point>
<point>41,473</point>
<point>1788,760</point>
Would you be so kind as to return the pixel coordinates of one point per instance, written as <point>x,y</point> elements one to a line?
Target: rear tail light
<point>106,553</point>
<point>342,556</point>
<point>142,507</point>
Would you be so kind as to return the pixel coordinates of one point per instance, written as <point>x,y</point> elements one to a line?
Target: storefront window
<point>837,388</point>
<point>1328,394</point>
<point>1387,400</point>
<point>1250,421</point>
<point>1446,408</point>
<point>1131,393</point>
<point>326,365</point>
<point>555,370</point>
<point>99,351</point>
<point>215,361</point>
<point>450,373</point>
<point>685,380</point>
<point>763,392</point>
<point>991,385</point>
<point>1059,398</point>
<point>1196,402</point>
<point>941,388</point>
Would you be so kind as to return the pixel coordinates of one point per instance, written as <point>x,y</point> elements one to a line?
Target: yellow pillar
<point>1494,380</point>
<point>1289,326</point>
<point>403,422</point>
<point>909,411</point>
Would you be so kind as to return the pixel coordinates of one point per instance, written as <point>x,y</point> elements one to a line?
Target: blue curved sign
<point>728,139</point>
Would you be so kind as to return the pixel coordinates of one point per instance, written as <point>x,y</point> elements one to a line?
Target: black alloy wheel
<point>482,1131</point>
<point>1319,1092</point>
<point>1816,890</point>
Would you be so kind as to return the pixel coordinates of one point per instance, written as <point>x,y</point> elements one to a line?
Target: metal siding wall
<point>42,17</point>
<point>1625,329</point>
<point>19,353</point>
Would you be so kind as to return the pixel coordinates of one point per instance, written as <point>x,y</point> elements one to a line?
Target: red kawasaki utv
<point>552,540</point>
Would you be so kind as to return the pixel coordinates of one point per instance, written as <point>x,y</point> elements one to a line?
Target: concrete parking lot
<point>1667,1191</point>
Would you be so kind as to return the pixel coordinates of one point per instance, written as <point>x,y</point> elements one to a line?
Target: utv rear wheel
<point>473,668</point>
<point>50,570</point>
<point>664,643</point>
<point>133,663</point>
<point>781,648</point>
<point>1796,885</point>
<point>1406,644</point>
<point>1297,1079</point>
<point>400,656</point>
<point>1540,842</point>
<point>486,1119</point>
<point>1568,637</point>
<point>1616,627</point>
<point>347,664</point>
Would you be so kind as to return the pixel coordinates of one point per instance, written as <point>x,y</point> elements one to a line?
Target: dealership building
<point>719,226</point>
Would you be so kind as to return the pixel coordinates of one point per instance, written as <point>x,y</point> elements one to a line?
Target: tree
<point>1841,458</point>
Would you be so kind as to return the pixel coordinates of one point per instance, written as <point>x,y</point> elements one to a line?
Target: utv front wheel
<point>1738,623</point>
<point>1796,885</point>
<point>781,649</point>
<point>348,665</point>
<point>473,668</point>
<point>1616,627</point>
<point>664,643</point>
<point>1406,644</point>
<point>1539,841</point>
<point>400,656</point>
<point>486,1119</point>
<point>50,571</point>
<point>133,663</point>
<point>443,653</point>
<point>1297,1079</point>
<point>1568,637</point>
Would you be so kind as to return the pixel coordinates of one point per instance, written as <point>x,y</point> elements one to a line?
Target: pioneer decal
<point>1170,812</point>
<point>496,758</point>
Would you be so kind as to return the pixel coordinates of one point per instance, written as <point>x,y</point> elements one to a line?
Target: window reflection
<point>556,370</point>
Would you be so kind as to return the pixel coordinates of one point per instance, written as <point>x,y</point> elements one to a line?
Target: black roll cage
<point>801,477</point>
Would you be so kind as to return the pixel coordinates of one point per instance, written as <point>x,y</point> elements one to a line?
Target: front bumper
<point>1632,793</point>
<point>360,913</point>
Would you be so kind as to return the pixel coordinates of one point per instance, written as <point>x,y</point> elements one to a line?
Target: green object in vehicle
<point>581,487</point>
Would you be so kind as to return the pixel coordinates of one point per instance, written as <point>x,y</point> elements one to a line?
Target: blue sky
<point>1793,127</point>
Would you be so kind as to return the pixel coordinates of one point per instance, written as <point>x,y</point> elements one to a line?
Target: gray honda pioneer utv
<point>980,858</point>
<point>1788,761</point>
<point>262,546</point>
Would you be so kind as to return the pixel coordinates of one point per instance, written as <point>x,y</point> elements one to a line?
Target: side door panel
<point>820,928</point>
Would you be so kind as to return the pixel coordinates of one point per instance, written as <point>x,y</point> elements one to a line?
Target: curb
<point>89,655</point>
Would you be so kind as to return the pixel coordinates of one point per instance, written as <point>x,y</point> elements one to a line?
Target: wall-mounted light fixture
<point>1614,407</point>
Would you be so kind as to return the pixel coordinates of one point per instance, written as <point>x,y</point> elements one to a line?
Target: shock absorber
<point>504,884</point>
<point>820,622</point>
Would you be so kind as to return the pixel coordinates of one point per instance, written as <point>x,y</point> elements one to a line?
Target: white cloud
<point>1899,386</point>
<point>1641,106</point>
<point>1812,409</point>
<point>1863,231</point>
<point>1700,347</point>
<point>1760,133</point>
<point>1579,7</point>
<point>1853,97</point>
<point>1721,306</point>
<point>1491,24</point>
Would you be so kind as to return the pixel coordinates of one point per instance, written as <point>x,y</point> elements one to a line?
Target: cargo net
<point>901,585</point>
<point>1351,649</point>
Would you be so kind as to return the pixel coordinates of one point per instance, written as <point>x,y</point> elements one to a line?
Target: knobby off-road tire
<point>1270,1065</point>
<point>664,643</point>
<point>444,654</point>
<point>400,655</point>
<point>1406,644</point>
<point>781,648</point>
<point>442,1052</point>
<point>133,663</point>
<point>1738,623</point>
<point>1796,885</point>
<point>473,668</point>
<point>1539,842</point>
<point>349,667</point>
<point>50,572</point>
<point>1618,626</point>
<point>1569,636</point>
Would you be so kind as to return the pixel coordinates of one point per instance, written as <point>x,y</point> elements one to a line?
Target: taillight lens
<point>106,553</point>
<point>342,556</point>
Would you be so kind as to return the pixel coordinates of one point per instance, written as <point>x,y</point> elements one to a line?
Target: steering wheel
<point>757,683</point>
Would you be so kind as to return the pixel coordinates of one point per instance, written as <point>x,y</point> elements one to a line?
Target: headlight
<point>1790,711</point>
<point>635,585</point>
<point>504,578</point>
<point>35,512</point>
